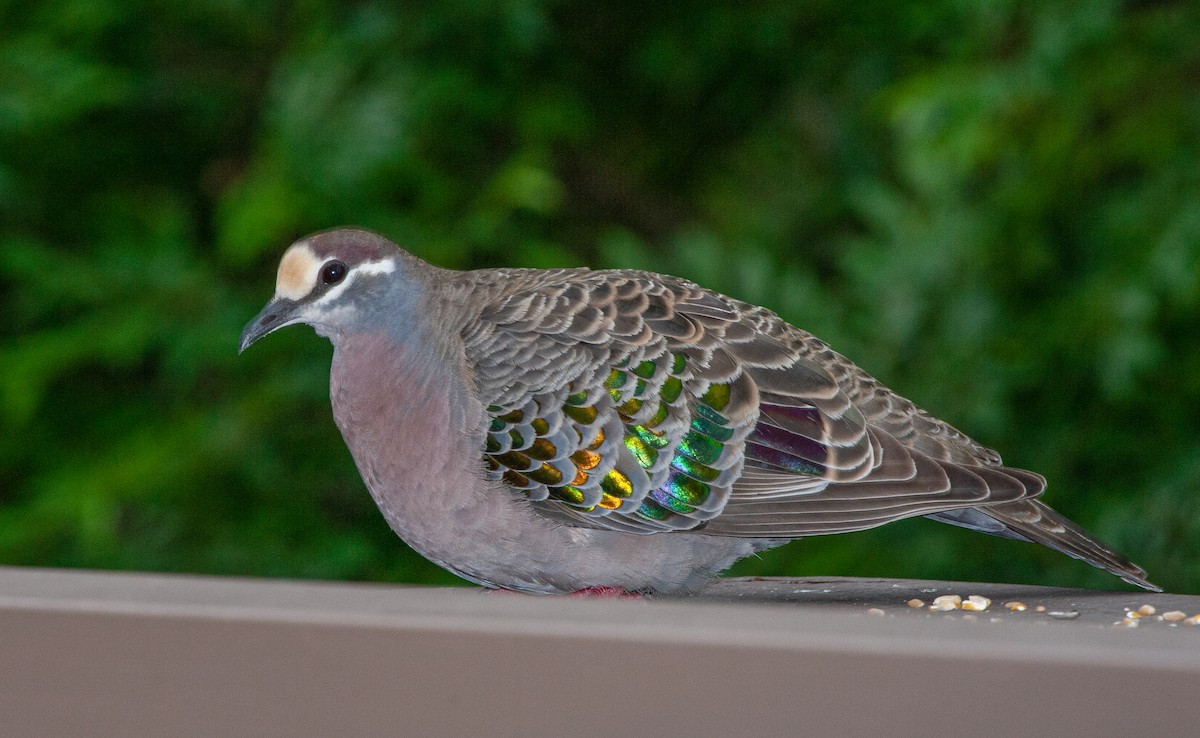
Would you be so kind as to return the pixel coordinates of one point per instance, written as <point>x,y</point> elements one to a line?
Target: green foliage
<point>994,207</point>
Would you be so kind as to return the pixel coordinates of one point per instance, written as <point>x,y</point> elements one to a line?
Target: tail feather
<point>1037,522</point>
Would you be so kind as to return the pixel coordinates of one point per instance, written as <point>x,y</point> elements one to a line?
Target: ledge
<point>139,654</point>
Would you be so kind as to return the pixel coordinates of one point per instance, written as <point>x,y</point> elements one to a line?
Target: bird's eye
<point>333,272</point>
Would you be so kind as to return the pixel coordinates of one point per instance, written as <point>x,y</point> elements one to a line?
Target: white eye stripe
<point>336,291</point>
<point>384,266</point>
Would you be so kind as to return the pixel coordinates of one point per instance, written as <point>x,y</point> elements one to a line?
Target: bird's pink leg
<point>610,592</point>
<point>602,592</point>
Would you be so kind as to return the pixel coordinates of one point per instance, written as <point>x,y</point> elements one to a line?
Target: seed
<point>875,611</point>
<point>1016,606</point>
<point>1129,622</point>
<point>976,602</point>
<point>1146,610</point>
<point>1174,616</point>
<point>914,602</point>
<point>1040,608</point>
<point>1063,614</point>
<point>945,603</point>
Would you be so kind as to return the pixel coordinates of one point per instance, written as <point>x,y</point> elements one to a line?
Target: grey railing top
<point>139,654</point>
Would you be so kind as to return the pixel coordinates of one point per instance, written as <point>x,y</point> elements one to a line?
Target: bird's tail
<point>1037,522</point>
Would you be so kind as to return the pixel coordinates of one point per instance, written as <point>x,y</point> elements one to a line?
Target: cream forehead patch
<point>297,272</point>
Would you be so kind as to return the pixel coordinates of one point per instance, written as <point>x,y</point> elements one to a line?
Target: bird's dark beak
<point>278,313</point>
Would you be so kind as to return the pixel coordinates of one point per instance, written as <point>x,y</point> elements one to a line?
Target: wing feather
<point>649,404</point>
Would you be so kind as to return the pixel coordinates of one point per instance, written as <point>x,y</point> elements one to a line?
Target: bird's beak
<point>278,313</point>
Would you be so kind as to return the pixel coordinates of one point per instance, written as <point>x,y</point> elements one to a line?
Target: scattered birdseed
<point>875,611</point>
<point>914,602</point>
<point>1064,614</point>
<point>1193,620</point>
<point>1129,622</point>
<point>1040,608</point>
<point>1132,614</point>
<point>1016,606</point>
<point>1174,616</point>
<point>945,603</point>
<point>1147,610</point>
<point>976,602</point>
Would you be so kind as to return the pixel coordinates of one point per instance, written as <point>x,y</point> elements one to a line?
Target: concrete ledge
<point>92,653</point>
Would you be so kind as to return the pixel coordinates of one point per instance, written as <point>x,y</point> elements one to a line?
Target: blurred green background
<point>992,206</point>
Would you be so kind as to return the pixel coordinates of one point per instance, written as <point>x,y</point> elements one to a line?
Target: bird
<point>559,431</point>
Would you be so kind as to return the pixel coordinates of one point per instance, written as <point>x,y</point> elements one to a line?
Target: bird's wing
<point>645,403</point>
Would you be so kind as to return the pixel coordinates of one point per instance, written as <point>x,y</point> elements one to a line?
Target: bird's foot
<point>608,592</point>
<point>603,592</point>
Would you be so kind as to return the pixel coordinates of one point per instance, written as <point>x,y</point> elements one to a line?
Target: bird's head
<point>332,281</point>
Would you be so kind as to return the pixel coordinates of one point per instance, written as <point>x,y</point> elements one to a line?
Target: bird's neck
<point>413,428</point>
<point>416,434</point>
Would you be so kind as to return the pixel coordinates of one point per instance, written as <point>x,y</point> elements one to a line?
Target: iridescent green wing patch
<point>562,448</point>
<point>527,447</point>
<point>691,467</point>
<point>647,447</point>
